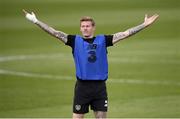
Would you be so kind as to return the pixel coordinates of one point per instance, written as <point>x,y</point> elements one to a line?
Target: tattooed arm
<point>122,35</point>
<point>58,34</point>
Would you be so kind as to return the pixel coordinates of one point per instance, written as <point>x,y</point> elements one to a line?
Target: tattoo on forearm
<point>136,29</point>
<point>122,35</point>
<point>58,34</point>
<point>61,35</point>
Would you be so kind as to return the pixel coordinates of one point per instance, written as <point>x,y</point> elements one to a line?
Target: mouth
<point>86,32</point>
<point>86,36</point>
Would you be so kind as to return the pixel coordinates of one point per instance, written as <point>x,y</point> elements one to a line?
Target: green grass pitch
<point>37,72</point>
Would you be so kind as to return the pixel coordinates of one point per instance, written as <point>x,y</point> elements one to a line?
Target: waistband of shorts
<point>87,80</point>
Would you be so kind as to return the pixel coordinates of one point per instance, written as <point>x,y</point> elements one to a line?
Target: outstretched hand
<point>149,20</point>
<point>31,17</point>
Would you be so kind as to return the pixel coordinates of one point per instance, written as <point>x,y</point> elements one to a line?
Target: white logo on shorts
<point>105,105</point>
<point>77,107</point>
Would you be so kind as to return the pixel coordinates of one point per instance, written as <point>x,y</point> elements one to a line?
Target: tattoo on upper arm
<point>119,36</point>
<point>58,34</point>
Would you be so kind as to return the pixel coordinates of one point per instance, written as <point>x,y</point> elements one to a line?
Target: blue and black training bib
<point>91,58</point>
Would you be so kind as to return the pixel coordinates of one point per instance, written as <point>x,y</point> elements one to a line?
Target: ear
<point>94,28</point>
<point>80,29</point>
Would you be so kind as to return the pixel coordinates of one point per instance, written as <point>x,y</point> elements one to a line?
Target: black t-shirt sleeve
<point>71,40</point>
<point>109,39</point>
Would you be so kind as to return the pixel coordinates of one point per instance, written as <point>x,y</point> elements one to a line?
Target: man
<point>90,57</point>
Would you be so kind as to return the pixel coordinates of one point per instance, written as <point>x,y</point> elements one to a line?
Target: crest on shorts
<point>77,107</point>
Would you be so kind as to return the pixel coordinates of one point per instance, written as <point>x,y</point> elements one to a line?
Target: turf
<point>37,72</point>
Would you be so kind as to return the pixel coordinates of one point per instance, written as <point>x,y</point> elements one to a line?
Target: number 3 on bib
<point>92,56</point>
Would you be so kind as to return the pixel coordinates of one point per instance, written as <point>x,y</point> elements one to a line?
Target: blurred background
<point>37,73</point>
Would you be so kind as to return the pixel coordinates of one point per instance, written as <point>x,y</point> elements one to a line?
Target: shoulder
<point>107,38</point>
<point>71,37</point>
<point>70,40</point>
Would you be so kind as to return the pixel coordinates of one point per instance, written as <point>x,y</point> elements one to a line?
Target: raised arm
<point>129,32</point>
<point>58,34</point>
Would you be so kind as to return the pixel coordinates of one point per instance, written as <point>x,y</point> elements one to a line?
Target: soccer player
<point>90,57</point>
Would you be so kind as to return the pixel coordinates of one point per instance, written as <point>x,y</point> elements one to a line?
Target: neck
<point>86,37</point>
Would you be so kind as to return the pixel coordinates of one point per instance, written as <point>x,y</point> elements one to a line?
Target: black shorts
<point>90,93</point>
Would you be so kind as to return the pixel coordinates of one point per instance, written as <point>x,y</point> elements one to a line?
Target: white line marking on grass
<point>30,57</point>
<point>113,59</point>
<point>112,80</point>
<point>140,81</point>
<point>34,75</point>
<point>67,57</point>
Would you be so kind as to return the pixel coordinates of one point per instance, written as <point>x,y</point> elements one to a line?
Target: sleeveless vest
<point>91,58</point>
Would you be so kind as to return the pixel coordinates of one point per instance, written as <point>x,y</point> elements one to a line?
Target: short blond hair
<point>87,18</point>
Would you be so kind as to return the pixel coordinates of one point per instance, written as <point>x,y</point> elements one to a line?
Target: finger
<point>146,15</point>
<point>32,13</point>
<point>24,11</point>
<point>145,18</point>
<point>155,16</point>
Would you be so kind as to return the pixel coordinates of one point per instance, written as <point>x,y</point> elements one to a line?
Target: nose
<point>85,28</point>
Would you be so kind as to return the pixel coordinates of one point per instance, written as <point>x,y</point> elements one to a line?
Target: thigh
<point>78,116</point>
<point>81,100</point>
<point>100,102</point>
<point>100,114</point>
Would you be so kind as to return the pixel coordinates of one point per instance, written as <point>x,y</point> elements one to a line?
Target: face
<point>87,29</point>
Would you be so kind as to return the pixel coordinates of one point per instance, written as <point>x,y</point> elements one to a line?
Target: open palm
<point>149,20</point>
